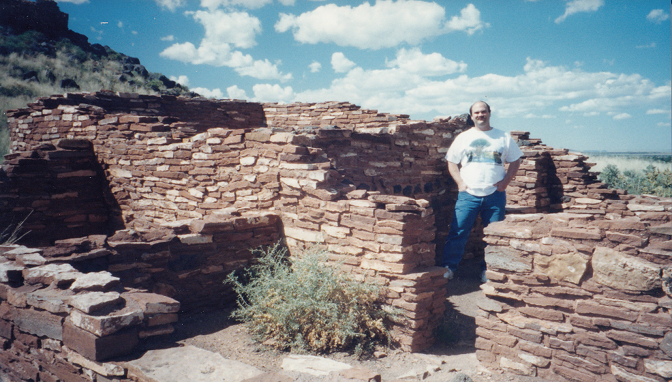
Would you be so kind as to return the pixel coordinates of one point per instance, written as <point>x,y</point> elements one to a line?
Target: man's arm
<point>510,174</point>
<point>454,171</point>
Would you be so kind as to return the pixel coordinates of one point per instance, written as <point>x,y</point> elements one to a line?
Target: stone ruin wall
<point>169,194</point>
<point>581,296</point>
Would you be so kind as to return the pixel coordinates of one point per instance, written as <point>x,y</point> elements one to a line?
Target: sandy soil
<point>452,354</point>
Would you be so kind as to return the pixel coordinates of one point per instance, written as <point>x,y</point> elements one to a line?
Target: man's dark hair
<point>486,105</point>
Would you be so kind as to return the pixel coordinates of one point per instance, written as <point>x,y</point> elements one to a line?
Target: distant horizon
<point>549,67</point>
<point>625,152</point>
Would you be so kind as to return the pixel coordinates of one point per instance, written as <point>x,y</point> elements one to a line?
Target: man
<point>476,162</point>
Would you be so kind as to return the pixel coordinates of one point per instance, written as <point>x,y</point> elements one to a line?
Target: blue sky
<point>579,74</point>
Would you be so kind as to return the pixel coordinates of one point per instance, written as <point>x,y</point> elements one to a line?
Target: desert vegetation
<point>637,174</point>
<point>303,304</point>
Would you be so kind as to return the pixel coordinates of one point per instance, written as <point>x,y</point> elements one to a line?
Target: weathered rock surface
<point>189,363</point>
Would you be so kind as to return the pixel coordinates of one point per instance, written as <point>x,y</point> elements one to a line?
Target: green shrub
<point>155,85</point>
<point>305,304</point>
<point>651,180</point>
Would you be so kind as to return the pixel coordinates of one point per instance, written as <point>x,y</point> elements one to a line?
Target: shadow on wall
<point>60,192</point>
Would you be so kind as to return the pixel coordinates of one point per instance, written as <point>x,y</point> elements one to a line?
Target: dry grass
<point>626,162</point>
<point>90,75</point>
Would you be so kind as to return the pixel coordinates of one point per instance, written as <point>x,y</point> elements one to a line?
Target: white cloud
<point>620,116</point>
<point>222,30</point>
<point>207,93</point>
<point>537,91</point>
<point>182,80</point>
<point>134,32</point>
<point>263,70</point>
<point>120,24</point>
<point>544,116</point>
<point>171,5</point>
<point>315,67</point>
<point>234,92</point>
<point>433,64</point>
<point>73,1</point>
<point>236,28</point>
<point>657,111</point>
<point>577,6</point>
<point>657,16</point>
<point>468,21</point>
<point>340,63</point>
<point>170,37</point>
<point>251,4</point>
<point>651,45</point>
<point>272,93</point>
<point>382,25</point>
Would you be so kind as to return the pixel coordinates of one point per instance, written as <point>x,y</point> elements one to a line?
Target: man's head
<point>471,109</point>
<point>480,115</point>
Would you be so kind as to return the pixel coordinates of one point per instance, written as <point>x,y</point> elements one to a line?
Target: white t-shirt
<point>482,155</point>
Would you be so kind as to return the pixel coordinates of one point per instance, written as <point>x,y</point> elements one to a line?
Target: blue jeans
<point>467,208</point>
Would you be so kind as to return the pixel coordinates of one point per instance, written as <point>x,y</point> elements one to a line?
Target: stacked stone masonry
<point>167,195</point>
<point>581,296</point>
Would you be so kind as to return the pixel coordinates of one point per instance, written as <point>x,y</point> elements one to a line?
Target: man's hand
<point>454,171</point>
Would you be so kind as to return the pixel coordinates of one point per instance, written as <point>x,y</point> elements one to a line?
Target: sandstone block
<point>666,344</point>
<point>659,367</point>
<point>625,375</point>
<point>517,367</point>
<point>632,338</point>
<point>576,233</point>
<point>152,303</point>
<point>572,374</point>
<point>94,301</point>
<point>634,240</point>
<point>51,300</point>
<point>620,271</point>
<point>6,329</point>
<point>501,229</point>
<point>504,258</point>
<point>105,325</point>
<point>39,323</point>
<point>58,274</point>
<point>11,272</point>
<point>95,281</point>
<point>566,266</point>
<point>593,308</point>
<point>102,368</point>
<point>99,348</point>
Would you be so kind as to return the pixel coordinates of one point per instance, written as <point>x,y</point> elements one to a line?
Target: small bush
<point>649,181</point>
<point>309,305</point>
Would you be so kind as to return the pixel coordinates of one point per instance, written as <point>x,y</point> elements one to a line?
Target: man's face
<point>480,114</point>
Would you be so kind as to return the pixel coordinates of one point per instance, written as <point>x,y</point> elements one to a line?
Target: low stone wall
<point>68,308</point>
<point>581,296</point>
<point>57,323</point>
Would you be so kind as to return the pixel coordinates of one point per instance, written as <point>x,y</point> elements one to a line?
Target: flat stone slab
<point>313,365</point>
<point>189,363</point>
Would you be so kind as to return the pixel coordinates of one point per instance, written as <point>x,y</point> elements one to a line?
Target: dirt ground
<point>452,354</point>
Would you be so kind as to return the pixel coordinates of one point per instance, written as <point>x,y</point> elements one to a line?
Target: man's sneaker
<point>449,274</point>
<point>484,278</point>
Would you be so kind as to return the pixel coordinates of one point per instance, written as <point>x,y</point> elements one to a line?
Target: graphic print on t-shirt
<point>478,152</point>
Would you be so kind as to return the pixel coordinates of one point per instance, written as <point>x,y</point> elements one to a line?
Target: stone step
<point>188,363</point>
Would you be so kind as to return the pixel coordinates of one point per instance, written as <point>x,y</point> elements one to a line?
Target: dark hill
<point>41,56</point>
